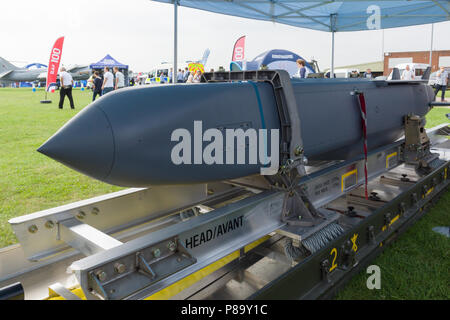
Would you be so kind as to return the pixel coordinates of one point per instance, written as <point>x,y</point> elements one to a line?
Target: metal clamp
<point>325,269</point>
<point>371,234</point>
<point>117,278</point>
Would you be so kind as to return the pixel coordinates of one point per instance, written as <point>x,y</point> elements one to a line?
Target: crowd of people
<point>182,76</point>
<point>440,84</point>
<point>100,84</point>
<point>186,76</point>
<point>107,83</point>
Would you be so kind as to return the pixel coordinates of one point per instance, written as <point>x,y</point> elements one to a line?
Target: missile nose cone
<point>85,143</point>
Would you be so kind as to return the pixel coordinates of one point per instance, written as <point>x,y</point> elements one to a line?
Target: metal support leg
<point>431,47</point>
<point>332,56</point>
<point>175,41</point>
<point>333,18</point>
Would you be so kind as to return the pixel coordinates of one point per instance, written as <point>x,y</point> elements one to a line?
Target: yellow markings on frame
<point>392,221</point>
<point>393,154</point>
<point>184,283</point>
<point>52,295</point>
<point>333,263</point>
<point>445,173</point>
<point>428,192</point>
<point>353,239</point>
<point>346,175</point>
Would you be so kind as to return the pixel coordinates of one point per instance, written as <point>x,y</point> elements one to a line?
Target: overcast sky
<point>140,33</point>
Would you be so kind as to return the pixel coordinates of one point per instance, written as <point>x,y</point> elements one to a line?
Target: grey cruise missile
<point>128,137</point>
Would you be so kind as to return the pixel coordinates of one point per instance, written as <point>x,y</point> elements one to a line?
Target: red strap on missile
<point>362,107</point>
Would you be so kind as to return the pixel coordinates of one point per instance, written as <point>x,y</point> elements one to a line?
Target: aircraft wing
<point>4,74</point>
<point>77,68</point>
<point>80,72</point>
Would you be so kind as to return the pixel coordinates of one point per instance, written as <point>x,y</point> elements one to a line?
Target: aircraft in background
<point>10,72</point>
<point>78,72</point>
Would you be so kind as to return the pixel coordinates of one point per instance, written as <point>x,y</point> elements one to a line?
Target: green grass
<point>437,116</point>
<point>414,267</point>
<point>417,265</point>
<point>29,181</point>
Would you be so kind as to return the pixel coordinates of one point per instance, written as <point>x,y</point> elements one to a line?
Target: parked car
<point>419,69</point>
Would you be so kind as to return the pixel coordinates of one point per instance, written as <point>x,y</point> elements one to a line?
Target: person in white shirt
<point>190,79</point>
<point>120,79</point>
<point>66,88</point>
<point>108,81</point>
<point>407,74</point>
<point>197,77</point>
<point>441,82</point>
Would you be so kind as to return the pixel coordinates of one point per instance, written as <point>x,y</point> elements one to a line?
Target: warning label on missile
<point>214,232</point>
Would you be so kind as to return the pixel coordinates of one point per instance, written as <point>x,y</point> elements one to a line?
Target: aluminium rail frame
<point>199,241</point>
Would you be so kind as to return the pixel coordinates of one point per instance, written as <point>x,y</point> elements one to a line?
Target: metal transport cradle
<point>244,238</point>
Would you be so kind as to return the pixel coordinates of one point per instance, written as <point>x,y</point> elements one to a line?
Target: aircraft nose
<point>85,143</point>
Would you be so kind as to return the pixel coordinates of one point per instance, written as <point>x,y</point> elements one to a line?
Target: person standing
<point>66,88</point>
<point>97,89</point>
<point>90,82</point>
<point>170,75</point>
<point>368,74</point>
<point>108,81</point>
<point>186,74</point>
<point>197,77</point>
<point>407,74</point>
<point>441,83</point>
<point>190,78</point>
<point>161,78</point>
<point>120,79</point>
<point>301,72</point>
<point>180,76</point>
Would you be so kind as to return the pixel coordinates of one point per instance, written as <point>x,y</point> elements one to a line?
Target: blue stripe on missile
<point>258,98</point>
<point>263,122</point>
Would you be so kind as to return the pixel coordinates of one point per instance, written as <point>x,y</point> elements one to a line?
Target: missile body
<point>128,137</point>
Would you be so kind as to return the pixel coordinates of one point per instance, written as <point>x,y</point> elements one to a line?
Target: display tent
<point>110,62</point>
<point>325,15</point>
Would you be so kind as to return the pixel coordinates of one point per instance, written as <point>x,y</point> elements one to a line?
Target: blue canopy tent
<point>110,62</point>
<point>273,59</point>
<point>325,15</point>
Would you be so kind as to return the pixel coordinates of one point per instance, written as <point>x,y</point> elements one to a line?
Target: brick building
<point>439,58</point>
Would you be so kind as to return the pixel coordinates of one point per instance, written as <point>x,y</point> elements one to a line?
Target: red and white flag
<point>53,64</point>
<point>239,50</point>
